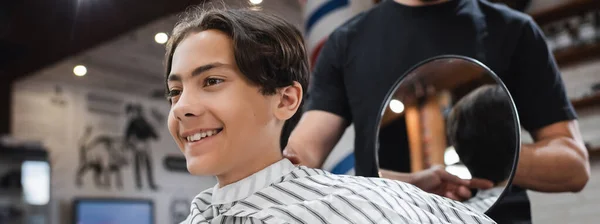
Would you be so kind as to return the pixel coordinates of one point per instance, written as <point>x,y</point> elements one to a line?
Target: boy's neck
<point>251,167</point>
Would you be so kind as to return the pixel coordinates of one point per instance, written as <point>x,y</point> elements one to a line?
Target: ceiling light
<point>396,106</point>
<point>80,70</point>
<point>161,38</point>
<point>255,2</point>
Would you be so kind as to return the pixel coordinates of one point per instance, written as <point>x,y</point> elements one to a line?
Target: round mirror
<point>451,112</point>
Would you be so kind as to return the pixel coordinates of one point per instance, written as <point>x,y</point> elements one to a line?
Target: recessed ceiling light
<point>80,70</point>
<point>255,2</point>
<point>161,38</point>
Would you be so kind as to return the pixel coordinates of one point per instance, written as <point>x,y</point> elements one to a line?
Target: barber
<point>363,58</point>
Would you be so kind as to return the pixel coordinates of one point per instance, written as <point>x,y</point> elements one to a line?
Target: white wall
<point>38,114</point>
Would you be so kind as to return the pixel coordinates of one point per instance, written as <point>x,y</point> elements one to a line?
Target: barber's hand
<point>438,181</point>
<point>290,154</point>
<point>300,157</point>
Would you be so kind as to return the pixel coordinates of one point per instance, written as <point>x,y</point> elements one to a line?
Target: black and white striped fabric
<point>484,199</point>
<point>283,193</point>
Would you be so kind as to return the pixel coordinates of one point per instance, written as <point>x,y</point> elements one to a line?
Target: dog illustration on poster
<point>104,155</point>
<point>107,155</point>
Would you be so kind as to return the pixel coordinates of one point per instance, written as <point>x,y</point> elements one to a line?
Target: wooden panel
<point>434,132</point>
<point>413,125</point>
<point>565,10</point>
<point>577,54</point>
<point>588,101</point>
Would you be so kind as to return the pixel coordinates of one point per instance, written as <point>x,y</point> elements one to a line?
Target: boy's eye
<point>173,92</point>
<point>212,81</point>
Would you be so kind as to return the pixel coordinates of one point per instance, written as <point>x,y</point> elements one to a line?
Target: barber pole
<point>321,18</point>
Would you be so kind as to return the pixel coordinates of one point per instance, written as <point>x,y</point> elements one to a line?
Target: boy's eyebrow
<point>197,71</point>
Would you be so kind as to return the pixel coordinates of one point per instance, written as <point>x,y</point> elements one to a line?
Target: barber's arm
<point>327,110</point>
<point>314,137</point>
<point>557,161</point>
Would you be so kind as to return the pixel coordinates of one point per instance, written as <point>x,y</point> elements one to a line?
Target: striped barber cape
<point>285,193</point>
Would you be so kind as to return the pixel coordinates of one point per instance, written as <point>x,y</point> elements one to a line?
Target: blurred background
<point>82,110</point>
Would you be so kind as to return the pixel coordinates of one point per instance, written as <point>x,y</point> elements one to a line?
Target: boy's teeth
<point>198,136</point>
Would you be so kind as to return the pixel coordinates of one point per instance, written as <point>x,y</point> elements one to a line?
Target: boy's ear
<point>289,98</point>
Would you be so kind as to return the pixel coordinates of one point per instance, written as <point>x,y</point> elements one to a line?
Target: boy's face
<point>218,119</point>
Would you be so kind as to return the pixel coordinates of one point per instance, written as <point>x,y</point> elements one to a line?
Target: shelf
<point>577,54</point>
<point>587,101</point>
<point>564,10</point>
<point>519,5</point>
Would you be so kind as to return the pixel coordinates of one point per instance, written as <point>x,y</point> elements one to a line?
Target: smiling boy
<point>234,77</point>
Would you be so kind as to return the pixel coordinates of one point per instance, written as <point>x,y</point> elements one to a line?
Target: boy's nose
<point>187,108</point>
<point>187,111</point>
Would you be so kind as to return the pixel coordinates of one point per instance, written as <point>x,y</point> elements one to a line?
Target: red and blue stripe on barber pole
<point>324,9</point>
<point>321,17</point>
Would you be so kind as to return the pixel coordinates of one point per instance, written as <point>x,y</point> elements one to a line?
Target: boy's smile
<point>197,135</point>
<point>196,138</point>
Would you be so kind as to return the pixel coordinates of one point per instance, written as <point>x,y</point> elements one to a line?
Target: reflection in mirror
<point>481,132</point>
<point>453,112</point>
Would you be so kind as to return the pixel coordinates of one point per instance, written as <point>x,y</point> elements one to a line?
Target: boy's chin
<point>200,168</point>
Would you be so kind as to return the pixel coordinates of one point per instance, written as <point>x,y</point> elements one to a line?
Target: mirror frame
<point>516,121</point>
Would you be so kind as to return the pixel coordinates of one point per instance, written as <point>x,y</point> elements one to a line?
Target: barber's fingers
<point>456,192</point>
<point>463,192</point>
<point>289,154</point>
<point>452,196</point>
<point>451,191</point>
<point>448,177</point>
<point>483,184</point>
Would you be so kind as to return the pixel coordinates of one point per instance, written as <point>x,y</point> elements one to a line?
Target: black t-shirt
<point>363,58</point>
